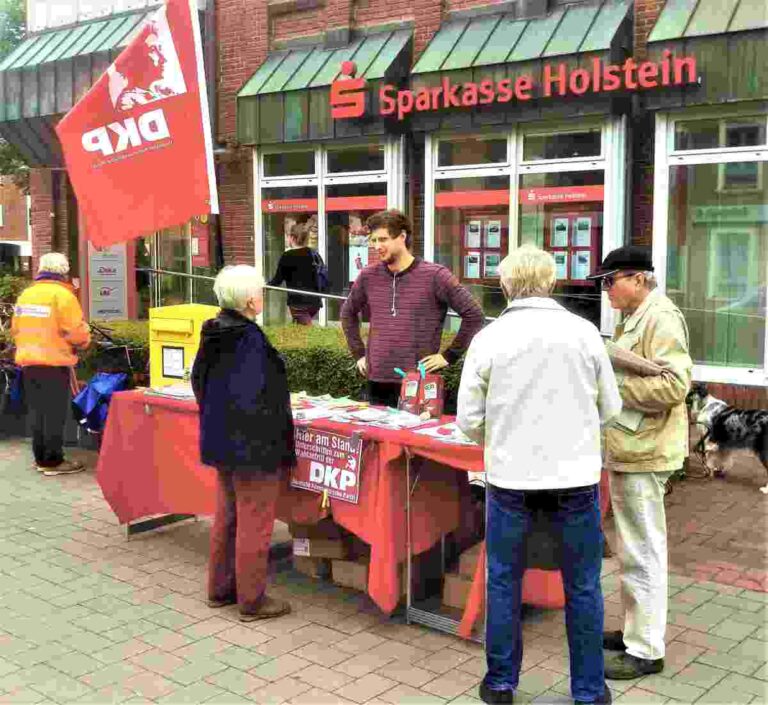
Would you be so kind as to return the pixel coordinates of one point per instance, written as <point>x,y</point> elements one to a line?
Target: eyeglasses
<point>611,279</point>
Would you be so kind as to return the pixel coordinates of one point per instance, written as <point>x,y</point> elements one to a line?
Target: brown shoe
<point>67,467</point>
<point>215,604</point>
<point>268,608</point>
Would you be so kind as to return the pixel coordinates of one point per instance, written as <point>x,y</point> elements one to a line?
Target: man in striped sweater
<point>406,300</point>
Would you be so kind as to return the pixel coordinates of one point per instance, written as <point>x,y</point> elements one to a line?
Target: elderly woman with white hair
<point>536,388</point>
<point>48,329</point>
<point>246,433</point>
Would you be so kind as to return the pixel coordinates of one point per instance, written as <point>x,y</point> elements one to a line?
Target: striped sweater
<point>406,311</point>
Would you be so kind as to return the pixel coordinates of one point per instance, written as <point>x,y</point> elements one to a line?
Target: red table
<point>149,464</point>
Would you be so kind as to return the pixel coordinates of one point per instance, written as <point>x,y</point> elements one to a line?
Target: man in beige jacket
<point>646,444</point>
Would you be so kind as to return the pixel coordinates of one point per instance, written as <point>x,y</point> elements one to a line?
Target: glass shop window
<point>471,151</point>
<point>289,164</point>
<point>369,157</point>
<point>720,133</point>
<point>562,145</point>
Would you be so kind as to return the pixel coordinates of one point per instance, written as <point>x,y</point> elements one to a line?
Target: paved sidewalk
<point>87,616</point>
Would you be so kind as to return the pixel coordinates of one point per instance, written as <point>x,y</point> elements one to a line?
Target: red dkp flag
<point>138,144</point>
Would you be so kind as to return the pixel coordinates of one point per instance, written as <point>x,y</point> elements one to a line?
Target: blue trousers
<point>574,517</point>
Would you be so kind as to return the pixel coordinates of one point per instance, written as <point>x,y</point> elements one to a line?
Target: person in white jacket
<point>536,389</point>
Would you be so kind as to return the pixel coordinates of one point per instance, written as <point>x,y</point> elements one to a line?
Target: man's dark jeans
<point>574,517</point>
<point>46,390</point>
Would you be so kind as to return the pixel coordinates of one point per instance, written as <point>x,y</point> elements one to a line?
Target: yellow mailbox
<point>174,336</point>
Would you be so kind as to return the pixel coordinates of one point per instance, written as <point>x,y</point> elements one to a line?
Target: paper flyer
<point>559,232</point>
<point>561,265</point>
<point>581,265</point>
<point>472,265</point>
<point>491,264</point>
<point>473,233</point>
<point>493,234</point>
<point>582,231</point>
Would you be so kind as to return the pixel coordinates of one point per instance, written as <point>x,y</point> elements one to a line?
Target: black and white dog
<point>726,430</point>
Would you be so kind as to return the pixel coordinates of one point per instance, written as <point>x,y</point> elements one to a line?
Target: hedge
<point>317,359</point>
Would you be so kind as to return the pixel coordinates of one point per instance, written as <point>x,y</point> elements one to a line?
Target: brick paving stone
<point>727,662</point>
<point>158,661</point>
<point>280,667</point>
<point>671,688</point>
<point>433,641</point>
<point>238,657</point>
<point>725,696</point>
<point>738,603</point>
<point>443,661</point>
<point>114,674</point>
<point>236,681</point>
<point>407,673</point>
<point>406,695</point>
<point>74,664</point>
<point>733,630</point>
<point>225,698</point>
<point>165,639</point>
<point>450,685</point>
<point>745,684</point>
<point>536,680</point>
<point>476,665</point>
<point>355,623</point>
<point>38,654</point>
<point>705,640</point>
<point>365,688</point>
<point>280,646</point>
<point>321,635</point>
<point>202,649</point>
<point>399,651</point>
<point>243,636</point>
<point>207,627</point>
<point>321,677</point>
<point>22,695</point>
<point>363,641</point>
<point>63,688</point>
<point>279,691</point>
<point>362,664</point>
<point>150,685</point>
<point>751,649</point>
<point>321,654</point>
<point>638,696</point>
<point>120,652</point>
<point>196,671</point>
<point>171,619</point>
<point>700,675</point>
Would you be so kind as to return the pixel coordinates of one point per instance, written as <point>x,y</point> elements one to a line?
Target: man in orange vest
<point>48,328</point>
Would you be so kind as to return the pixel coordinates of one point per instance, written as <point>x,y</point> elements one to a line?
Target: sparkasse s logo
<point>348,93</point>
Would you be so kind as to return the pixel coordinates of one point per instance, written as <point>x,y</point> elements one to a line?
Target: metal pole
<point>408,595</point>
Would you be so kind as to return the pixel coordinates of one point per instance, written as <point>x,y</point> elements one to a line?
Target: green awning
<point>682,19</point>
<point>729,40</point>
<point>287,99</point>
<point>60,44</point>
<point>45,75</point>
<point>299,69</point>
<point>502,39</point>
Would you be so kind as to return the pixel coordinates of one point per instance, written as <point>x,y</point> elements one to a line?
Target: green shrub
<point>11,285</point>
<point>317,359</point>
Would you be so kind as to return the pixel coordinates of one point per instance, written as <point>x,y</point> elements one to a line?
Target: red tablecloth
<point>149,464</point>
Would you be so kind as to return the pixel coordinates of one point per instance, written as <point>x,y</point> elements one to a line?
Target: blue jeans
<point>574,516</point>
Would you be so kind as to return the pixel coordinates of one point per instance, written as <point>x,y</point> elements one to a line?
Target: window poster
<point>472,265</point>
<point>582,229</point>
<point>561,265</point>
<point>559,232</point>
<point>358,255</point>
<point>493,233</point>
<point>473,233</point>
<point>581,265</point>
<point>491,264</point>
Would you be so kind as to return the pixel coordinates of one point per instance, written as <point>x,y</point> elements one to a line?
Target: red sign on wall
<point>561,194</point>
<point>200,242</point>
<point>328,462</point>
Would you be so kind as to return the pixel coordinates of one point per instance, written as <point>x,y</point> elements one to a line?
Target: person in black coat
<point>246,433</point>
<point>297,269</point>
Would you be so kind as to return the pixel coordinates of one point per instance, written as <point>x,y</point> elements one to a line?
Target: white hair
<point>650,280</point>
<point>55,263</point>
<point>527,271</point>
<point>235,285</point>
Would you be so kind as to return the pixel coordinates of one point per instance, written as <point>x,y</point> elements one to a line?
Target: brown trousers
<point>240,536</point>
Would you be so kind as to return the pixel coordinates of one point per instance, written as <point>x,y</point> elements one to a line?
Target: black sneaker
<point>491,695</point>
<point>614,641</point>
<point>604,699</point>
<point>624,667</point>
